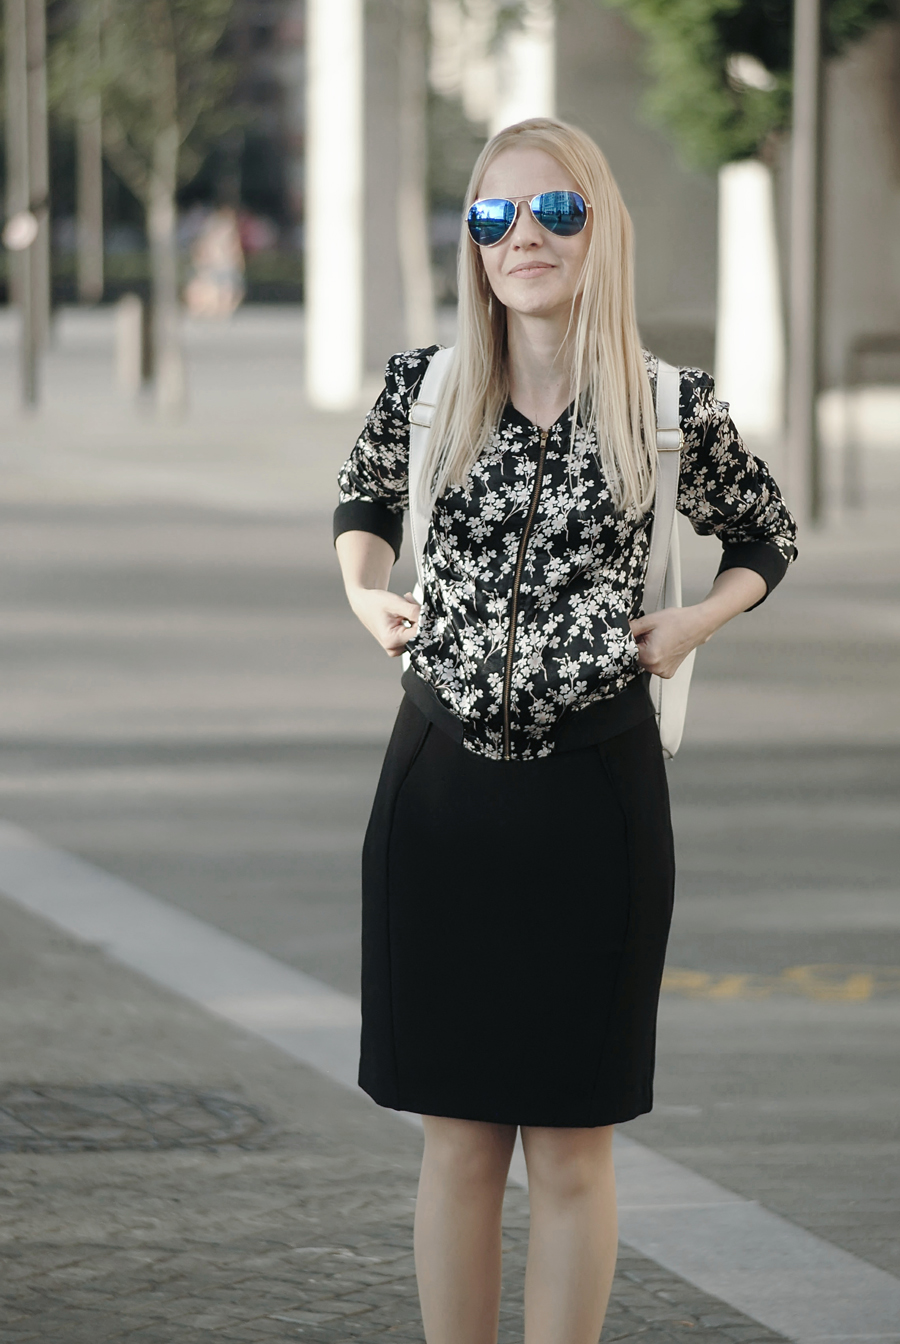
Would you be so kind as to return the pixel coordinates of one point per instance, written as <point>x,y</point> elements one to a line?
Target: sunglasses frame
<point>517,201</point>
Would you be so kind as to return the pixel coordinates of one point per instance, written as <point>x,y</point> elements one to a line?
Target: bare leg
<point>458,1228</point>
<point>574,1233</point>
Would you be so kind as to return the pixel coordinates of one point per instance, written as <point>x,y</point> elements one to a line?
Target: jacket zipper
<point>514,610</point>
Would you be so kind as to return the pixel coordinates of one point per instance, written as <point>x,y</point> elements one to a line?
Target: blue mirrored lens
<point>489,220</point>
<point>560,212</point>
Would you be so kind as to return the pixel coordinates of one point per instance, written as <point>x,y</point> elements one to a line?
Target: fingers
<point>648,646</point>
<point>650,662</point>
<point>403,625</point>
<point>392,619</point>
<point>409,611</point>
<point>660,662</point>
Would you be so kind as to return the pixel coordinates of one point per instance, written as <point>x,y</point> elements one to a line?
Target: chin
<point>536,305</point>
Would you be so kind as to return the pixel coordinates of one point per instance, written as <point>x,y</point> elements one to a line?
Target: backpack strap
<point>421,415</point>
<point>669,442</point>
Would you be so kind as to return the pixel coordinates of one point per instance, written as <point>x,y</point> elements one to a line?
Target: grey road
<point>187,703</point>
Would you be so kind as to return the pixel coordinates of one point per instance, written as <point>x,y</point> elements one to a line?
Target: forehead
<point>523,170</point>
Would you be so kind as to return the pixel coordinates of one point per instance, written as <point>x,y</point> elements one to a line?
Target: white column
<point>334,205</point>
<point>749,327</point>
<point>526,67</point>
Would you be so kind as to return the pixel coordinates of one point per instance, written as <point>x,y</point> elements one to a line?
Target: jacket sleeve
<point>725,490</point>
<point>374,480</point>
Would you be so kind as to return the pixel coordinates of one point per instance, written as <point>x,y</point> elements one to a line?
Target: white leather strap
<point>662,585</point>
<point>421,414</point>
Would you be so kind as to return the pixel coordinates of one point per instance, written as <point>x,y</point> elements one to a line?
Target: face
<point>531,270</point>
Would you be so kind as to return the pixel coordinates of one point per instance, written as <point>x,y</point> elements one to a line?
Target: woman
<point>518,871</point>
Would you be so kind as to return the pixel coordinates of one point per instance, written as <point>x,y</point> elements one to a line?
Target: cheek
<point>492,268</point>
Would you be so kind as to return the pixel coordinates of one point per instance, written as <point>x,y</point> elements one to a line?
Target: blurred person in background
<point>216,288</point>
<point>518,870</point>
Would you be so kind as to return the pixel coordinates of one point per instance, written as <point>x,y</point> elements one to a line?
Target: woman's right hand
<point>393,620</point>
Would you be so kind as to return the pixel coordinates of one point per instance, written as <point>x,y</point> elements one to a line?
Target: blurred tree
<point>163,86</point>
<point>723,67</point>
<point>413,240</point>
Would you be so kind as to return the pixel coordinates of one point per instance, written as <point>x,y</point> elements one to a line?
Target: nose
<point>525,232</point>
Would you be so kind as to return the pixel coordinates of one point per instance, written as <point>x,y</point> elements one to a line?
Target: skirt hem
<point>421,1107</point>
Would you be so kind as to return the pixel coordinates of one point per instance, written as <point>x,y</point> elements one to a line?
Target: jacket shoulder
<point>695,383</point>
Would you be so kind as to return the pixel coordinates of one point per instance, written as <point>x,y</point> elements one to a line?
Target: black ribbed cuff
<point>761,556</point>
<point>368,515</point>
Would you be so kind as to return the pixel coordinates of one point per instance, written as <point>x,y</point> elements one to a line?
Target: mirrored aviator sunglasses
<point>561,212</point>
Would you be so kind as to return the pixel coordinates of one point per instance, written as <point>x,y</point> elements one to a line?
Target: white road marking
<point>776,1273</point>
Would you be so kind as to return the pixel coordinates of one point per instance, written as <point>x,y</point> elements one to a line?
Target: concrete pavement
<point>116,1224</point>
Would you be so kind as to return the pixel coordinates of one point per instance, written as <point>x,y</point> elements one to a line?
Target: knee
<point>568,1166</point>
<point>468,1154</point>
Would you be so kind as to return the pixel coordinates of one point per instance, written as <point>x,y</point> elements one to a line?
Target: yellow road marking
<point>839,984</point>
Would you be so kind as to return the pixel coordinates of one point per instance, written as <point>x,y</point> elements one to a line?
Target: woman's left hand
<point>665,638</point>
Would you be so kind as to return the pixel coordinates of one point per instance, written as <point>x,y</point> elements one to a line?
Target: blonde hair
<point>610,382</point>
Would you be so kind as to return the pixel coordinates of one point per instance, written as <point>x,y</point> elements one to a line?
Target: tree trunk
<point>413,215</point>
<point>18,191</point>
<point>804,336</point>
<point>90,169</point>
<point>39,167</point>
<point>171,390</point>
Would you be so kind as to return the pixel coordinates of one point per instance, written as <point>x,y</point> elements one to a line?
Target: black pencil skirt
<point>515,917</point>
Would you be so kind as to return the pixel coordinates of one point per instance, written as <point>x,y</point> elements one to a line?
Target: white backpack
<point>662,584</point>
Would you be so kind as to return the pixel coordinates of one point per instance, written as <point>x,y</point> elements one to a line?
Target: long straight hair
<point>610,383</point>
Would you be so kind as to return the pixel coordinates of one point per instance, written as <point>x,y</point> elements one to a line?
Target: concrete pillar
<point>526,67</point>
<point>334,204</point>
<point>749,329</point>
<point>501,78</point>
<point>130,333</point>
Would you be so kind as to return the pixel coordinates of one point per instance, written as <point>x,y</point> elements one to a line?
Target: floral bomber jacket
<point>530,574</point>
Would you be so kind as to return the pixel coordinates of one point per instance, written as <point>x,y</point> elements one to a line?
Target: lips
<point>531,268</point>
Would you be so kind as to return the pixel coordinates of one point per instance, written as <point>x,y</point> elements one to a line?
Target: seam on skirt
<point>427,727</point>
<point>605,764</point>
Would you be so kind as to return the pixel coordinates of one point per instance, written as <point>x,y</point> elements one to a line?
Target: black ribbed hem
<point>425,699</point>
<point>586,727</point>
<point>761,556</point>
<point>368,515</point>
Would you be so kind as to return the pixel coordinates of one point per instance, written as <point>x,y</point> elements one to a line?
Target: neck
<point>539,365</point>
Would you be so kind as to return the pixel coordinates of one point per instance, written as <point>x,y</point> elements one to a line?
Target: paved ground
<point>187,703</point>
<point>302,1234</point>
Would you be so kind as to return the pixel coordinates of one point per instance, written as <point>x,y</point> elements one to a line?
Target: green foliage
<point>157,67</point>
<point>698,94</point>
